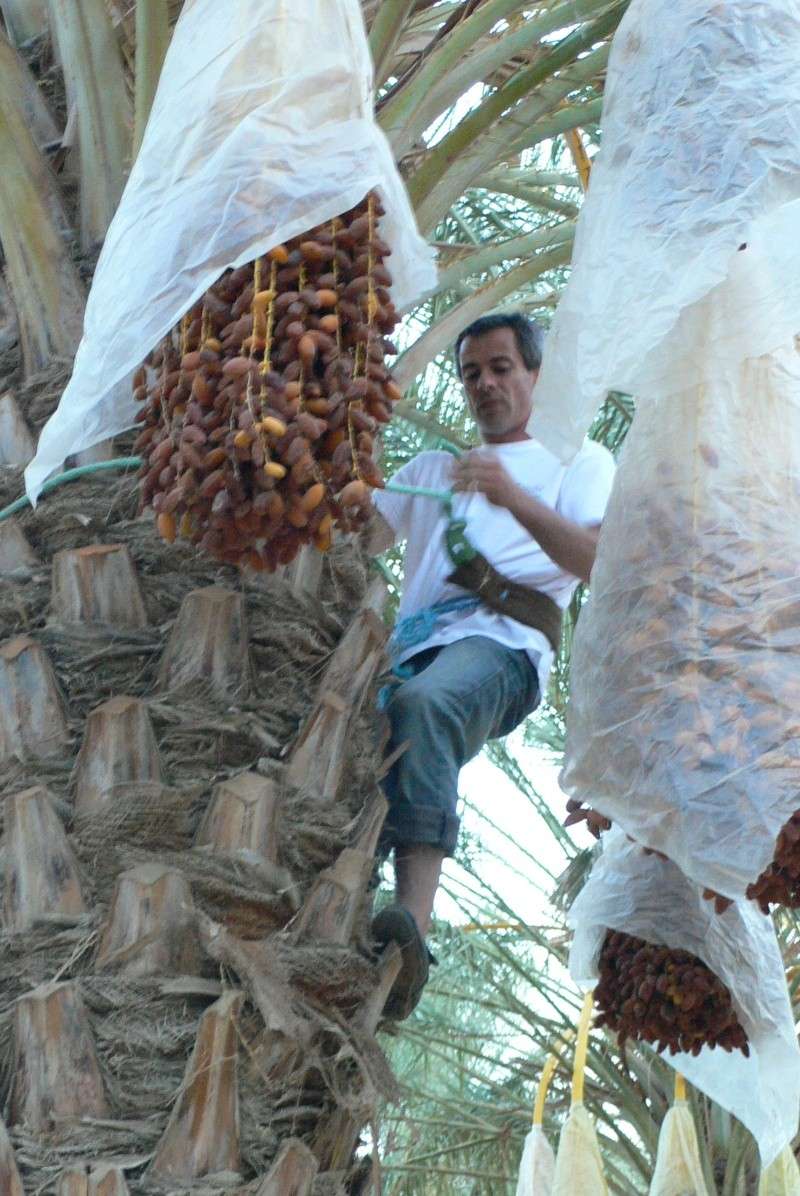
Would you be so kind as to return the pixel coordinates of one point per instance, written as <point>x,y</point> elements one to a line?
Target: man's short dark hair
<point>528,334</point>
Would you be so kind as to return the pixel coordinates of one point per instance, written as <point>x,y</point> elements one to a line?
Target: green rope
<point>119,463</point>
<point>125,463</point>
<point>443,496</point>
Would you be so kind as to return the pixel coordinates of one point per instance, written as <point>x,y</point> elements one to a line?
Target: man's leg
<point>461,695</point>
<point>417,869</point>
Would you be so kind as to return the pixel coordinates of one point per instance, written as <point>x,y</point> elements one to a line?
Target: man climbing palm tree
<point>473,646</point>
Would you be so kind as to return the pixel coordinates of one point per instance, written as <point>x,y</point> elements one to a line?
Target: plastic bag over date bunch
<point>708,988</point>
<point>685,704</point>
<point>700,158</point>
<point>682,728</point>
<point>262,129</point>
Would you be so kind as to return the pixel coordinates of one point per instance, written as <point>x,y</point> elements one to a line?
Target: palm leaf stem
<point>525,84</point>
<point>152,42</point>
<point>30,101</point>
<point>442,334</point>
<point>452,70</point>
<point>385,33</point>
<point>45,285</point>
<point>539,198</point>
<point>398,109</point>
<point>570,117</point>
<point>95,78</point>
<point>495,254</point>
<point>425,421</point>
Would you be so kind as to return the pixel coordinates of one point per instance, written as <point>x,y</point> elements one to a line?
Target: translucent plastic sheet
<point>700,156</point>
<point>684,717</point>
<point>679,1171</point>
<point>262,128</point>
<point>579,1164</point>
<point>648,897</point>
<point>537,1167</point>
<point>781,1178</point>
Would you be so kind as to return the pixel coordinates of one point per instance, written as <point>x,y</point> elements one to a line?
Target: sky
<point>507,868</point>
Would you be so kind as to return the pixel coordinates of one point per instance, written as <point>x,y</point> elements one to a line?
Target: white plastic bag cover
<point>679,1171</point>
<point>684,718</point>
<point>538,1165</point>
<point>579,1164</point>
<point>262,128</point>
<point>648,897</point>
<point>781,1178</point>
<point>700,155</point>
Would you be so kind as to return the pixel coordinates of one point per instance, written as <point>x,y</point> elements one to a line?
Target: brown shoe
<point>396,925</point>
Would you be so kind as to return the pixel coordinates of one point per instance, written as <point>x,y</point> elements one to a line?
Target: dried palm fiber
<point>679,1171</point>
<point>579,1165</point>
<point>781,1178</point>
<point>261,411</point>
<point>537,1168</point>
<point>673,972</point>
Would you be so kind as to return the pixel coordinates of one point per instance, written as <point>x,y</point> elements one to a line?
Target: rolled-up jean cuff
<point>407,825</point>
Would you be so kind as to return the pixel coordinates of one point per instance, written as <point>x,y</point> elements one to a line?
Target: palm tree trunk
<point>252,869</point>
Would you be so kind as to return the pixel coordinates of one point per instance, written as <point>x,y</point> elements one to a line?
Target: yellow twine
<point>680,1087</point>
<point>273,286</point>
<point>252,353</point>
<point>472,927</point>
<point>205,325</point>
<point>185,325</point>
<point>301,286</point>
<point>334,231</point>
<point>163,396</point>
<point>548,1071</point>
<point>372,299</point>
<point>579,1073</point>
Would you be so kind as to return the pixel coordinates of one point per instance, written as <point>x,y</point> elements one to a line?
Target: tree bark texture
<point>32,722</point>
<point>97,584</point>
<point>186,836</point>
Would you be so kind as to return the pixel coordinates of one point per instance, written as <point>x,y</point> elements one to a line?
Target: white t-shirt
<point>578,491</point>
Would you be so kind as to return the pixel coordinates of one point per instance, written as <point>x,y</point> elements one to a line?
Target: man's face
<point>498,385</point>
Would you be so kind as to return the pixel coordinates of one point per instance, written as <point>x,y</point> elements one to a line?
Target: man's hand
<point>568,544</point>
<point>482,473</point>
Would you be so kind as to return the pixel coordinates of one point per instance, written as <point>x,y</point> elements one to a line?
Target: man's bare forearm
<point>571,546</point>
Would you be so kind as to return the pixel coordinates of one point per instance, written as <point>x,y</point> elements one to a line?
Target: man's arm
<point>571,546</point>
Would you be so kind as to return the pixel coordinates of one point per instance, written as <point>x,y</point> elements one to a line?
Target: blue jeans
<point>460,696</point>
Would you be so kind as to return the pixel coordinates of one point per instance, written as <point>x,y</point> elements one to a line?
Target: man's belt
<point>530,607</point>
